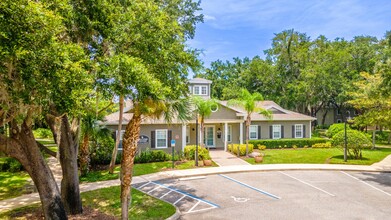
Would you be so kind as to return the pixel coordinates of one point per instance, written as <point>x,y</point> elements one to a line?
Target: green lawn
<point>139,169</point>
<point>107,200</point>
<point>319,156</point>
<point>13,184</point>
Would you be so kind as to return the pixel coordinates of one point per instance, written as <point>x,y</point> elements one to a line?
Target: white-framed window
<point>120,138</point>
<point>253,132</point>
<point>161,138</point>
<point>276,131</point>
<point>298,131</point>
<point>229,134</point>
<point>187,134</point>
<point>214,108</point>
<point>200,90</point>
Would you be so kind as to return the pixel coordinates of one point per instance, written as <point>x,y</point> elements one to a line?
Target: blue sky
<point>240,28</point>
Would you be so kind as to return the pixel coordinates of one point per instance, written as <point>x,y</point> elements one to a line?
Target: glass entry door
<point>209,136</point>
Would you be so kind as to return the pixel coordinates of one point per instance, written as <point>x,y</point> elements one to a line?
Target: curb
<point>175,216</point>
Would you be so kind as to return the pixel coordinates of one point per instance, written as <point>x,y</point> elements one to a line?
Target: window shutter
<point>282,131</point>
<point>153,142</point>
<point>271,132</point>
<point>114,135</point>
<point>259,132</point>
<point>169,138</point>
<point>303,131</point>
<point>293,131</point>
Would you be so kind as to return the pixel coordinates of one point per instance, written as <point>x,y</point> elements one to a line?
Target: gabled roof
<point>199,80</point>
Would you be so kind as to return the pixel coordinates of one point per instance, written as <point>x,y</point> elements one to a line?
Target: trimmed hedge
<point>242,148</point>
<point>336,128</point>
<point>149,156</point>
<point>203,153</point>
<point>288,143</point>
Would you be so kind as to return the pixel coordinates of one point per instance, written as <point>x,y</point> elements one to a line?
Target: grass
<point>12,184</point>
<point>107,200</point>
<point>320,156</point>
<point>139,169</point>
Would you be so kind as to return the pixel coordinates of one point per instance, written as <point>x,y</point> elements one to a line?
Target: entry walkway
<point>223,158</point>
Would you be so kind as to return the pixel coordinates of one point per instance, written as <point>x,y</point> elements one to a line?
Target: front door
<point>209,136</point>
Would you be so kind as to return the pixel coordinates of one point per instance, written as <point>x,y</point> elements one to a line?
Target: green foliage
<point>336,128</point>
<point>43,133</point>
<point>356,141</point>
<point>261,147</point>
<point>101,151</point>
<point>242,149</point>
<point>8,164</point>
<point>203,153</point>
<point>288,143</point>
<point>149,156</point>
<point>322,145</point>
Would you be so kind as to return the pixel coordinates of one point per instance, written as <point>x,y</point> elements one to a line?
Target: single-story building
<point>225,125</point>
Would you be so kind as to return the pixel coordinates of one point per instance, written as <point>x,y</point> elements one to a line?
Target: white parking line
<point>374,187</point>
<point>166,194</point>
<point>143,185</point>
<point>179,200</point>
<point>153,189</point>
<point>308,184</point>
<point>195,205</point>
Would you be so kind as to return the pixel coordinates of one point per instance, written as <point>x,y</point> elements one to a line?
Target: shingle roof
<point>199,80</point>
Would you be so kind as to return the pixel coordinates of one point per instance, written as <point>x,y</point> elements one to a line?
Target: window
<point>299,131</point>
<point>187,134</point>
<point>338,111</point>
<point>339,121</point>
<point>214,108</point>
<point>200,90</point>
<point>253,132</point>
<point>203,90</point>
<point>276,131</point>
<point>120,138</point>
<point>229,134</point>
<point>161,138</point>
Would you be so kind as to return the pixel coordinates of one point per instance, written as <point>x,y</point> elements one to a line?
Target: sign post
<point>172,151</point>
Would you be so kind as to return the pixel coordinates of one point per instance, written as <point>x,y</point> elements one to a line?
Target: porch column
<point>310,129</point>
<point>241,133</point>
<point>183,136</point>
<point>225,135</point>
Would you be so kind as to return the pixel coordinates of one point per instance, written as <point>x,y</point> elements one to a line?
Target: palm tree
<point>249,101</point>
<point>203,108</point>
<point>143,109</point>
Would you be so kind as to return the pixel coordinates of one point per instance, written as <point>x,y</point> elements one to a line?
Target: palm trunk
<point>117,138</point>
<point>130,139</point>
<point>24,148</point>
<point>248,121</point>
<point>84,155</point>
<point>202,133</point>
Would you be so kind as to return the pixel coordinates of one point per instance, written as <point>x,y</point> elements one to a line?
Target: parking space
<point>279,195</point>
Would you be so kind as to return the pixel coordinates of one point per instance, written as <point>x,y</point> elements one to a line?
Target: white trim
<point>120,146</point>
<point>200,91</point>
<point>156,131</point>
<point>187,134</point>
<point>256,132</point>
<point>280,128</point>
<point>226,126</point>
<point>310,129</point>
<point>184,135</point>
<point>241,133</point>
<point>302,130</point>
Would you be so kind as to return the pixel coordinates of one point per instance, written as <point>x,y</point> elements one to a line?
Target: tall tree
<point>249,102</point>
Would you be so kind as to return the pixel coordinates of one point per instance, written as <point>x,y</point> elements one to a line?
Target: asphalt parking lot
<point>278,195</point>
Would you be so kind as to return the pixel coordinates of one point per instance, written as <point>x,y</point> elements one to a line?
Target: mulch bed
<point>88,213</point>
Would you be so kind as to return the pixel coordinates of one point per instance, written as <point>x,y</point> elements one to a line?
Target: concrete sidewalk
<point>383,166</point>
<point>223,158</point>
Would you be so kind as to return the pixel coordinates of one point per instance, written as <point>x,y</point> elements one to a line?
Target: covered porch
<point>217,133</point>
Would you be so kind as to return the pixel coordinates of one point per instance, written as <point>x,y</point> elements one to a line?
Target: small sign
<point>143,139</point>
<point>177,137</point>
<point>172,143</point>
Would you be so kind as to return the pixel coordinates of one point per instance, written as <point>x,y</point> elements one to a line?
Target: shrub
<point>43,133</point>
<point>189,153</point>
<point>100,151</point>
<point>149,156</point>
<point>288,143</point>
<point>242,148</point>
<point>261,147</point>
<point>336,128</point>
<point>322,145</point>
<point>10,165</point>
<point>356,141</point>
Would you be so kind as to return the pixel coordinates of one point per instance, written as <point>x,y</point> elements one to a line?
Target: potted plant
<point>206,159</point>
<point>259,158</point>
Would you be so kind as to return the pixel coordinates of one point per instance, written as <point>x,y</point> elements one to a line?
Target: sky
<point>245,28</point>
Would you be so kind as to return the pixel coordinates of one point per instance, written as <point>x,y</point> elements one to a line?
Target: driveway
<point>279,195</point>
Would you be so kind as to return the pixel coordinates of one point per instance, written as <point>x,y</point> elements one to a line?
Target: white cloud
<point>209,18</point>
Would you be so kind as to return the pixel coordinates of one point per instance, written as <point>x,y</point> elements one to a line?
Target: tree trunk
<point>129,143</point>
<point>202,128</point>
<point>23,147</point>
<point>324,116</point>
<point>84,155</point>
<point>68,148</point>
<point>118,137</point>
<point>248,122</point>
